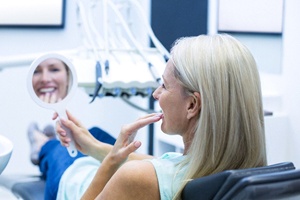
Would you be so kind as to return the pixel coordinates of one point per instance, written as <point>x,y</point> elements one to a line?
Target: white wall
<point>290,77</point>
<point>282,92</point>
<point>17,109</point>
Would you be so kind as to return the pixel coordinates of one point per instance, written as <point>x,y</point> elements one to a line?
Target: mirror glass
<point>52,82</point>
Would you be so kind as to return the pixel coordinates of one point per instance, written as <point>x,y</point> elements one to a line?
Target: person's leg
<point>54,160</point>
<point>37,140</point>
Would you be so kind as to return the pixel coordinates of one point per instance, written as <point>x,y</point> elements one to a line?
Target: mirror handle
<point>71,148</point>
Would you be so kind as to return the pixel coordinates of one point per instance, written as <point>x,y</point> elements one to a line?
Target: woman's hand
<point>84,141</point>
<point>125,143</point>
<point>49,98</point>
<point>119,153</point>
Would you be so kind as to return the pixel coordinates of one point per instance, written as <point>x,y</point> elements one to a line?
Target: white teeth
<point>45,90</point>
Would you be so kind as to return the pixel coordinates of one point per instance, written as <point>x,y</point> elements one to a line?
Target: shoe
<point>34,154</point>
<point>37,139</point>
<point>49,131</point>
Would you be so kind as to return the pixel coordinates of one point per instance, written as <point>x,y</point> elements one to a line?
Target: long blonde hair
<point>230,130</point>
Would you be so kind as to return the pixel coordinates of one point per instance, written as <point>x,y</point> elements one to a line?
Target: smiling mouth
<point>47,90</point>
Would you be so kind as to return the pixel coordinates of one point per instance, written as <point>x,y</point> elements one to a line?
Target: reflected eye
<point>54,70</point>
<point>163,85</point>
<point>37,71</point>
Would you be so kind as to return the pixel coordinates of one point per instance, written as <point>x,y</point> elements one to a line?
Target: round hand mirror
<point>51,83</point>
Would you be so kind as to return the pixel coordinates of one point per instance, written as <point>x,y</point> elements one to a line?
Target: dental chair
<point>277,185</point>
<point>215,186</point>
<point>218,185</point>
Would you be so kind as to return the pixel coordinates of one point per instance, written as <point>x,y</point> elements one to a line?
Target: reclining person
<point>210,96</point>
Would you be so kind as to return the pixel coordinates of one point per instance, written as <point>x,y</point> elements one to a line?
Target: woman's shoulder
<point>135,180</point>
<point>140,173</point>
<point>137,167</point>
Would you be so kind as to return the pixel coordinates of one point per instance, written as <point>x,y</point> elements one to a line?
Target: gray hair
<point>230,129</point>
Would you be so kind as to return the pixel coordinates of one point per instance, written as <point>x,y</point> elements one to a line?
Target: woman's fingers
<point>72,123</point>
<point>121,154</point>
<point>150,115</point>
<point>49,98</point>
<point>73,119</point>
<point>53,98</point>
<point>64,140</point>
<point>42,97</point>
<point>55,116</point>
<point>60,130</point>
<point>62,135</point>
<point>133,147</point>
<point>129,131</point>
<point>125,143</point>
<point>70,117</point>
<point>143,121</point>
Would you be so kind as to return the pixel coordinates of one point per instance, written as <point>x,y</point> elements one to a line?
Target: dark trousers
<point>55,159</point>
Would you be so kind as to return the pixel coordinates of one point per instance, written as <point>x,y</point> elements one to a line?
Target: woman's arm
<point>85,142</point>
<point>119,153</point>
<point>133,180</point>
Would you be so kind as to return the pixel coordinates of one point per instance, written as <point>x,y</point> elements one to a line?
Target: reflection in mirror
<point>51,80</point>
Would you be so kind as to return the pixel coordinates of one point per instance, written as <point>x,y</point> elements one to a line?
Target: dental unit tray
<point>129,75</point>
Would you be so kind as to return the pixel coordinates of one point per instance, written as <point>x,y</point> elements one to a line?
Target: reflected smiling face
<point>50,80</point>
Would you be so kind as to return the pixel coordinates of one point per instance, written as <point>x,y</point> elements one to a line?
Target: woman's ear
<point>194,105</point>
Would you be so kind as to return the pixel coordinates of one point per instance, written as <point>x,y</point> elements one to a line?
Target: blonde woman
<point>210,96</point>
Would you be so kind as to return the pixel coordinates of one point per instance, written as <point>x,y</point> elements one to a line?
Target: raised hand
<point>125,143</point>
